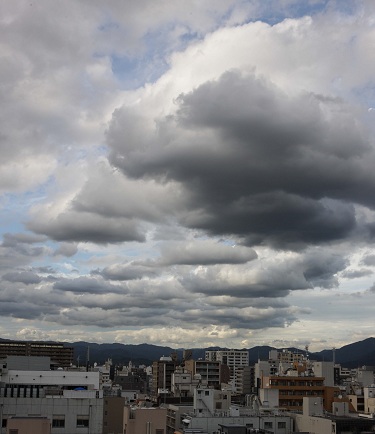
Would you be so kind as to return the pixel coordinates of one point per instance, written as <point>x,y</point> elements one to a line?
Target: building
<point>60,354</point>
<point>369,399</point>
<point>162,371</point>
<point>213,373</point>
<point>184,383</point>
<point>175,416</point>
<point>69,400</point>
<point>145,420</point>
<point>213,412</point>
<point>28,425</point>
<point>113,415</point>
<point>293,388</point>
<point>234,359</point>
<point>315,420</point>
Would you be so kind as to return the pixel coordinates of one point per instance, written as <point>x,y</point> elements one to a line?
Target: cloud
<point>26,277</point>
<point>355,274</point>
<point>204,252</point>
<point>163,135</point>
<point>255,162</point>
<point>87,227</point>
<point>368,260</point>
<point>66,249</point>
<point>83,285</point>
<point>126,272</point>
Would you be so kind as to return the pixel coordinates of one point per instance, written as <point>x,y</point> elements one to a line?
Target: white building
<point>234,359</point>
<point>212,409</point>
<point>70,400</point>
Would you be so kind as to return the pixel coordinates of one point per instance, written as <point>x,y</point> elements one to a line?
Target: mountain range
<point>350,356</point>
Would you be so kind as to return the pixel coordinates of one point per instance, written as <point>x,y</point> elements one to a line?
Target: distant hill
<point>351,356</point>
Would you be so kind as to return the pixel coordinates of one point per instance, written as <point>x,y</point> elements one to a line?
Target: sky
<point>188,173</point>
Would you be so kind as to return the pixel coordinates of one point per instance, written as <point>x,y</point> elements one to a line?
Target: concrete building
<point>234,359</point>
<point>369,399</point>
<point>175,416</point>
<point>59,353</point>
<point>28,425</point>
<point>213,411</point>
<point>69,400</point>
<point>245,380</point>
<point>213,373</point>
<point>293,388</point>
<point>144,420</point>
<point>113,415</point>
<point>325,370</point>
<point>162,371</point>
<point>184,383</point>
<point>315,420</point>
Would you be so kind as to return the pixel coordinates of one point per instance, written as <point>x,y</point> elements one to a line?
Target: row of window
<point>59,422</point>
<point>269,425</point>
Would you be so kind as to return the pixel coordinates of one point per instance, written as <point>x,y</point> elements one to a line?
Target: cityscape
<point>43,390</point>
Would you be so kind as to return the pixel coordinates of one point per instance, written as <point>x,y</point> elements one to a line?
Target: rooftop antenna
<point>87,358</point>
<point>307,350</point>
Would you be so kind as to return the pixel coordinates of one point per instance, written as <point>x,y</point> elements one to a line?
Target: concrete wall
<point>29,425</point>
<point>313,425</point>
<point>47,378</point>
<point>145,420</point>
<point>70,409</point>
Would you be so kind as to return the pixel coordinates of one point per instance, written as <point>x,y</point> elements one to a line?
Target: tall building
<point>60,354</point>
<point>212,373</point>
<point>234,359</point>
<point>162,371</point>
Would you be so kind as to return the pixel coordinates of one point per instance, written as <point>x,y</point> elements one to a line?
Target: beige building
<point>145,420</point>
<point>28,425</point>
<point>369,398</point>
<point>113,415</point>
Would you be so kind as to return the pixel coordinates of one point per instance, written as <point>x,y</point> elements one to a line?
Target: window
<point>82,421</point>
<point>281,424</point>
<point>58,421</point>
<point>159,431</point>
<point>207,392</point>
<point>267,425</point>
<point>13,431</point>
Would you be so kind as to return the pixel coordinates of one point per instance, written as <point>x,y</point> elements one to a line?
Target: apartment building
<point>234,359</point>
<point>213,373</point>
<point>59,353</point>
<point>162,371</point>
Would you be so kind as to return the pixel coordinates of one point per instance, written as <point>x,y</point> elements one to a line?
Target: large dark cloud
<point>255,162</point>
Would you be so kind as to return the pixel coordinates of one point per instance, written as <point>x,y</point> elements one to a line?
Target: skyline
<point>188,175</point>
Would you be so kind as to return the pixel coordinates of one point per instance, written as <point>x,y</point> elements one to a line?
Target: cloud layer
<point>190,178</point>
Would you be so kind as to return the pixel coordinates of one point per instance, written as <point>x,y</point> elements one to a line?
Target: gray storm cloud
<point>255,162</point>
